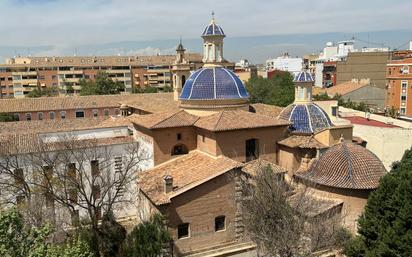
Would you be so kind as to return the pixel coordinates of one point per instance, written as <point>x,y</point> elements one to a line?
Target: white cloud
<point>53,22</point>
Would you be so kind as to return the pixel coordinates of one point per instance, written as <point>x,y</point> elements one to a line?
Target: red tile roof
<point>345,165</point>
<point>368,122</point>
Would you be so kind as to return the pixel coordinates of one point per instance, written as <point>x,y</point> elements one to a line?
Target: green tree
<point>18,240</point>
<point>102,85</point>
<point>279,90</point>
<point>146,239</point>
<point>39,92</point>
<point>385,228</point>
<point>6,117</point>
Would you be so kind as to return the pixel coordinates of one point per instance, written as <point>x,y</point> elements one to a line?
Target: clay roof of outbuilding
<point>187,171</point>
<point>266,109</point>
<point>148,102</point>
<point>237,119</point>
<point>345,165</point>
<point>341,89</point>
<point>302,141</point>
<point>164,120</point>
<point>253,167</point>
<point>56,125</point>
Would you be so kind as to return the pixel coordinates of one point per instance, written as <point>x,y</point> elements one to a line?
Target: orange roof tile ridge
<point>217,122</point>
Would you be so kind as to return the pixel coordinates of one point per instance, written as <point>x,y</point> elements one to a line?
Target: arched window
<point>183,80</point>
<point>179,149</point>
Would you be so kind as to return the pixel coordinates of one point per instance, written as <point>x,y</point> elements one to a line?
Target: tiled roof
<point>266,109</point>
<point>253,167</point>
<point>368,122</point>
<point>41,126</point>
<point>232,120</point>
<point>149,102</point>
<point>345,165</point>
<point>341,89</point>
<point>164,120</point>
<point>153,103</point>
<point>306,117</point>
<point>31,143</point>
<point>312,205</point>
<point>302,141</point>
<point>187,172</point>
<point>87,61</point>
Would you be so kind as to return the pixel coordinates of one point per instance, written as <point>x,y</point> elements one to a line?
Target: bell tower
<point>180,71</point>
<point>213,36</point>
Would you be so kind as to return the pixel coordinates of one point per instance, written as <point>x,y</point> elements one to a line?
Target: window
<point>95,168</point>
<point>179,136</point>
<point>335,111</point>
<point>40,116</point>
<point>95,112</point>
<point>220,223</point>
<point>106,112</point>
<point>41,77</point>
<point>96,191</point>
<point>404,84</point>
<point>405,69</point>
<point>63,115</point>
<point>403,97</point>
<point>28,116</point>
<point>117,112</point>
<point>183,231</point>
<point>203,138</point>
<point>79,114</point>
<point>71,175</point>
<point>403,111</point>
<point>16,117</point>
<point>52,115</point>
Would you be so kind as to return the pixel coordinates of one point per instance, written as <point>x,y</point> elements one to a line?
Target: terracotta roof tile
<point>164,120</point>
<point>254,166</point>
<point>345,165</point>
<point>302,141</point>
<point>41,126</point>
<point>232,120</point>
<point>154,102</point>
<point>341,89</point>
<point>266,109</point>
<point>187,172</point>
<point>31,143</point>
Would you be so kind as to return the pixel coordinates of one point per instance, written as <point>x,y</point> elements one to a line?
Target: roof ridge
<point>165,119</point>
<point>217,122</point>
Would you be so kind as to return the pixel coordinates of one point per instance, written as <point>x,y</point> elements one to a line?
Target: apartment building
<point>20,75</point>
<point>399,86</point>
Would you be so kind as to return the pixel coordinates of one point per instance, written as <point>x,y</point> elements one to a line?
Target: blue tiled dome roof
<point>213,83</point>
<point>306,117</point>
<point>303,76</point>
<point>212,30</point>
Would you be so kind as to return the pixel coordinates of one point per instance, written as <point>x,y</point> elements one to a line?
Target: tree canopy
<point>102,85</point>
<point>278,90</point>
<point>147,239</point>
<point>385,228</point>
<point>39,92</point>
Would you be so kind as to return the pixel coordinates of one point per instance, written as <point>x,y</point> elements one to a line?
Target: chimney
<point>168,184</point>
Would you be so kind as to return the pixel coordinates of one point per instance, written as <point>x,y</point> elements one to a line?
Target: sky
<point>65,27</point>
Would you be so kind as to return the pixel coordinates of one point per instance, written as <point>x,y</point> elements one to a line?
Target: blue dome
<point>303,76</point>
<point>212,83</point>
<point>212,30</point>
<point>306,117</point>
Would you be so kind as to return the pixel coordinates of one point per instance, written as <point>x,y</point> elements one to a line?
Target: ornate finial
<point>180,40</point>
<point>213,17</point>
<point>341,139</point>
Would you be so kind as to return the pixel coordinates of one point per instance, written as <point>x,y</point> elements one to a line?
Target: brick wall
<point>199,207</point>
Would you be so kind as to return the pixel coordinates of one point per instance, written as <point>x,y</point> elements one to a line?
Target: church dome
<point>304,76</point>
<point>345,165</point>
<point>306,117</point>
<point>213,83</point>
<point>213,30</point>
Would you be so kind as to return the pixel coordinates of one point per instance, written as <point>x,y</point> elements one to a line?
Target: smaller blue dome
<point>213,30</point>
<point>303,76</point>
<point>306,117</point>
<point>211,83</point>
